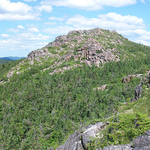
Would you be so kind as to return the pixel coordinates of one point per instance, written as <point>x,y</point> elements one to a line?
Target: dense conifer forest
<point>39,110</point>
<point>3,61</point>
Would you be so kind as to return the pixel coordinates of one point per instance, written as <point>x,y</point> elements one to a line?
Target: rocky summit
<point>96,46</point>
<point>88,46</point>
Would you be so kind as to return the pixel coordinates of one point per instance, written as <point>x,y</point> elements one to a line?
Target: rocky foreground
<point>79,140</point>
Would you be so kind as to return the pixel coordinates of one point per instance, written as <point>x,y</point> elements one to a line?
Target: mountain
<point>11,58</point>
<point>84,80</point>
<point>6,58</point>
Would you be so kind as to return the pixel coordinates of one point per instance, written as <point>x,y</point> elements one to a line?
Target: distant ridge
<point>11,58</point>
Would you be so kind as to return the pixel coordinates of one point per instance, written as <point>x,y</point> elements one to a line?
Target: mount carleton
<point>86,47</point>
<point>80,92</point>
<point>95,46</point>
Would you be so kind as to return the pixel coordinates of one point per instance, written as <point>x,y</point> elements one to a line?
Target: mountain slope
<point>57,89</point>
<point>3,61</point>
<point>95,46</point>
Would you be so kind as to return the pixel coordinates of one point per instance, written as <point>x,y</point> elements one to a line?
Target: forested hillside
<point>3,61</point>
<point>72,82</point>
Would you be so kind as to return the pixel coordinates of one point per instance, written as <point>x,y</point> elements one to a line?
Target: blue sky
<point>27,25</point>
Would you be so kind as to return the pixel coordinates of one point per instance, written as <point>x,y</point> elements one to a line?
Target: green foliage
<point>4,61</point>
<point>38,111</point>
<point>123,129</point>
<point>64,45</point>
<point>52,50</point>
<point>129,126</point>
<point>61,101</point>
<point>100,51</point>
<point>4,69</point>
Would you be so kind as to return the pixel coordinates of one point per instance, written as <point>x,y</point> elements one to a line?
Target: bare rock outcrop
<point>117,147</point>
<point>10,74</point>
<point>127,79</point>
<point>103,87</point>
<point>79,139</point>
<point>61,70</point>
<point>90,52</point>
<point>142,142</point>
<point>138,90</point>
<point>38,53</point>
<point>60,40</point>
<point>94,53</point>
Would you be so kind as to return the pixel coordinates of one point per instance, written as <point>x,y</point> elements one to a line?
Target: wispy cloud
<point>5,35</point>
<point>129,26</point>
<point>13,30</point>
<point>22,43</point>
<point>110,21</point>
<point>20,27</point>
<point>46,8</point>
<point>143,1</point>
<point>58,30</point>
<point>33,29</point>
<point>56,18</point>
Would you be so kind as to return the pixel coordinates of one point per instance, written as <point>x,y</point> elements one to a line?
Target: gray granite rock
<point>118,147</point>
<point>142,141</point>
<point>79,139</point>
<point>51,148</point>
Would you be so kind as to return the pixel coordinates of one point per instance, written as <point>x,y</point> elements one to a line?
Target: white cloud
<point>59,30</point>
<point>56,18</point>
<point>143,1</point>
<point>10,7</point>
<point>20,27</point>
<point>22,43</point>
<point>134,32</point>
<point>46,8</point>
<point>143,42</point>
<point>13,30</point>
<point>89,4</point>
<point>17,17</point>
<point>129,26</point>
<point>122,19</point>
<point>5,35</point>
<point>33,29</point>
<point>16,11</point>
<point>110,21</point>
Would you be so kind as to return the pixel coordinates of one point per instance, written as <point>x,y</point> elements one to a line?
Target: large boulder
<point>72,143</point>
<point>118,147</point>
<point>51,148</point>
<point>138,90</point>
<point>80,139</point>
<point>142,142</point>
